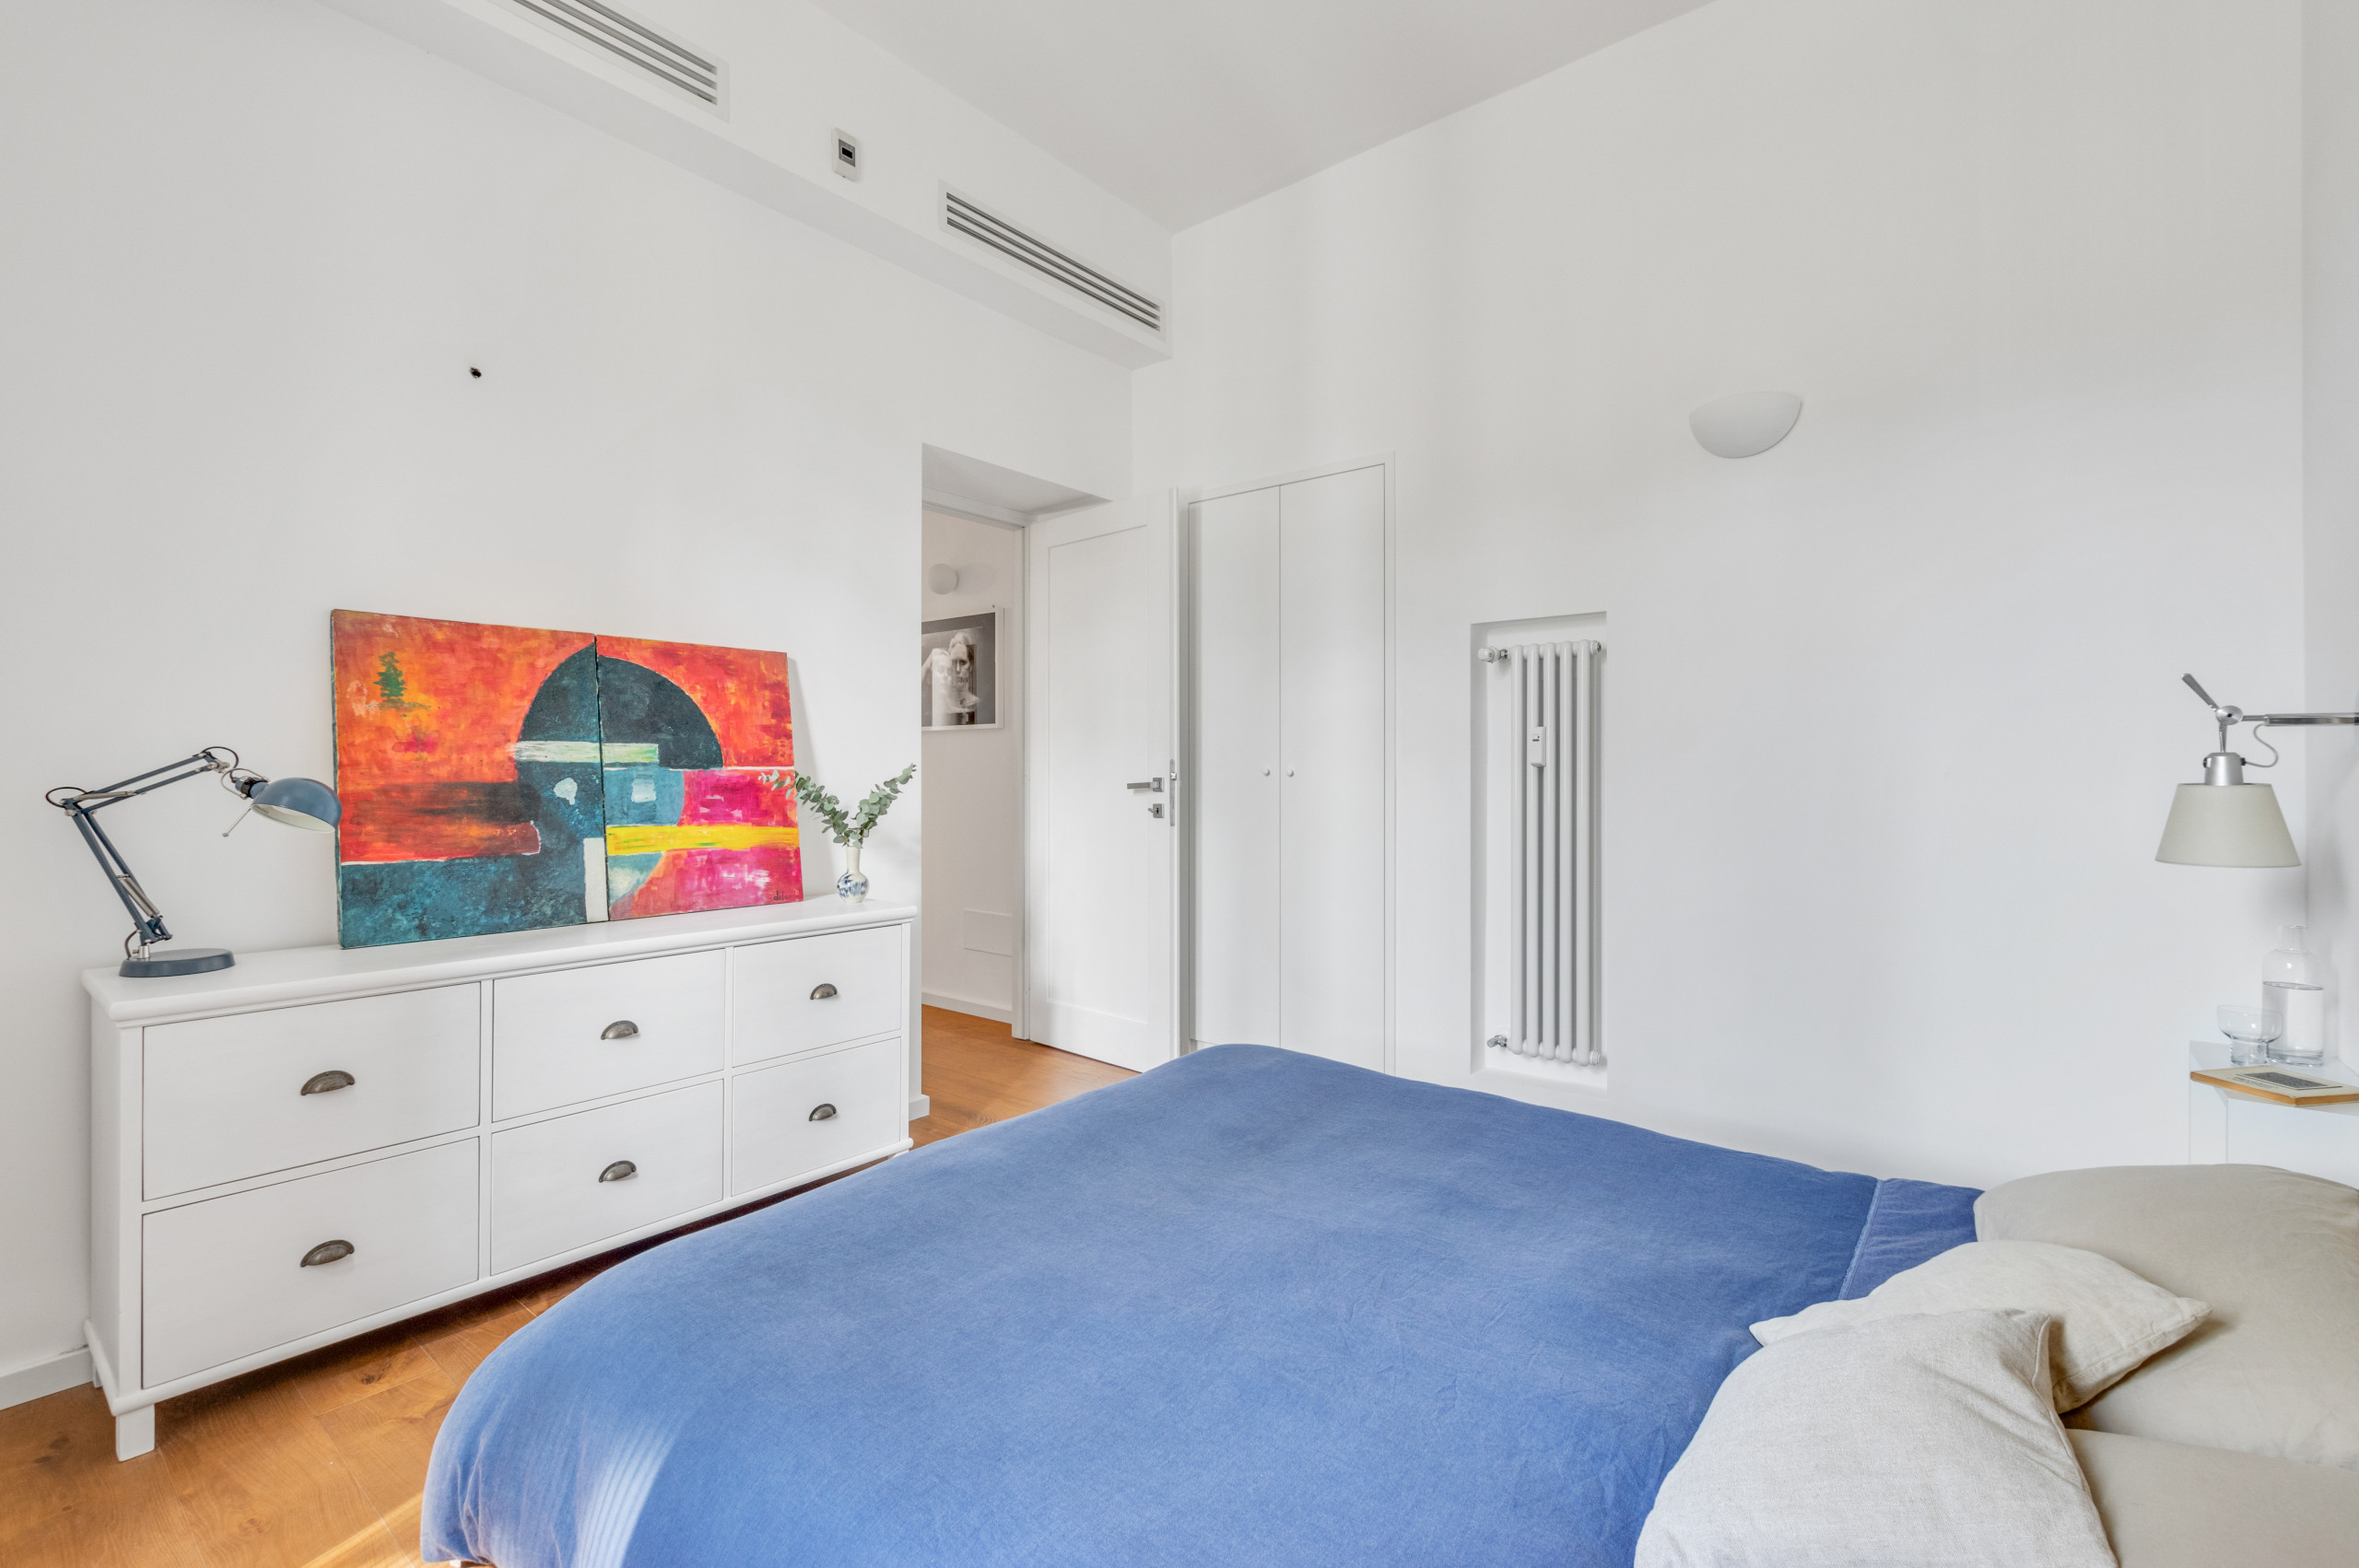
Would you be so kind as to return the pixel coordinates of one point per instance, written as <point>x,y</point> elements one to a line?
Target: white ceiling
<point>1188,108</point>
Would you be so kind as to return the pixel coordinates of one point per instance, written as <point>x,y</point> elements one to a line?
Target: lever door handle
<point>327,1082</point>
<point>1154,784</point>
<point>620,1029</point>
<point>621,1170</point>
<point>822,991</point>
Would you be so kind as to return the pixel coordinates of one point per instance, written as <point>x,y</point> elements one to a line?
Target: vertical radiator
<point>1544,855</point>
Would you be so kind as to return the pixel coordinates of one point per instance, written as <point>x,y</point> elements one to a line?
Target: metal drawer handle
<point>327,1082</point>
<point>822,991</point>
<point>327,1252</point>
<point>822,1113</point>
<point>621,1170</point>
<point>620,1029</point>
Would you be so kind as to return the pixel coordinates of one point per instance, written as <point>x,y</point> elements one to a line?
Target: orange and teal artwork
<point>500,779</point>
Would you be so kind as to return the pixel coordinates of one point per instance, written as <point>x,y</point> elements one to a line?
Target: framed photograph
<point>958,673</point>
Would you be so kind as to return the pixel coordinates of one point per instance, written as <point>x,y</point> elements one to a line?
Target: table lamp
<point>296,802</point>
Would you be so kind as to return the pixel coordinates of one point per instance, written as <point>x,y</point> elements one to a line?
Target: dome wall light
<point>1746,424</point>
<point>942,579</point>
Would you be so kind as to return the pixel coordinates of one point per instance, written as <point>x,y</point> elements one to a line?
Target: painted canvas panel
<point>700,811</point>
<point>468,763</point>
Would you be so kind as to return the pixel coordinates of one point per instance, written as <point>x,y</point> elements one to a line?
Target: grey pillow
<point>2175,1505</point>
<point>1923,1441</point>
<point>2275,1369</point>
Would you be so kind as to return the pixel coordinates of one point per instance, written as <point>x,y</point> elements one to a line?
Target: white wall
<point>245,267</point>
<point>1894,711</point>
<point>973,784</point>
<point>2330,533</point>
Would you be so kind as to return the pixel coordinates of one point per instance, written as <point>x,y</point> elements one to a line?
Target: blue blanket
<point>1251,1307</point>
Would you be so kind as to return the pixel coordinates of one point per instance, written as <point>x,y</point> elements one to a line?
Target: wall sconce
<point>294,803</point>
<point>1746,424</point>
<point>942,579</point>
<point>2225,821</point>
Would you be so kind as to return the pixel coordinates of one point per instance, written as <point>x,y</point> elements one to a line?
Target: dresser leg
<point>135,1433</point>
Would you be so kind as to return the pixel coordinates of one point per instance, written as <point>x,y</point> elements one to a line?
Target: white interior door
<point>1234,773</point>
<point>1333,707</point>
<point>1101,900</point>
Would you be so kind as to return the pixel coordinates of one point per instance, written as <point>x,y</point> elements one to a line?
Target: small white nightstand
<point>2226,1128</point>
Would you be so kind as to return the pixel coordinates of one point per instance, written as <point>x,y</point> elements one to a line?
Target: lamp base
<point>167,961</point>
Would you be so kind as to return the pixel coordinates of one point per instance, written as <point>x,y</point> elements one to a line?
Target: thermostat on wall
<point>847,156</point>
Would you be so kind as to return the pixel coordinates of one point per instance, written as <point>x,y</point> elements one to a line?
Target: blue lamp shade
<point>299,802</point>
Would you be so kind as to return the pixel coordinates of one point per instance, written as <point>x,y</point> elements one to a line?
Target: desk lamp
<point>298,802</point>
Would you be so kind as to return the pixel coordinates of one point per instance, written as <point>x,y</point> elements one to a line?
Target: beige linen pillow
<point>2275,1371</point>
<point>2175,1505</point>
<point>2107,1318</point>
<point>1906,1442</point>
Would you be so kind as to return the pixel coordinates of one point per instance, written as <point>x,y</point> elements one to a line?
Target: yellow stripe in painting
<point>629,838</point>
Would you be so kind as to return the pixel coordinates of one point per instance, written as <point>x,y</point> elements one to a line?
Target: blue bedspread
<point>1251,1307</point>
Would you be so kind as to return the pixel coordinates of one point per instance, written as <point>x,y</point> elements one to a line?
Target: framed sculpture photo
<point>958,673</point>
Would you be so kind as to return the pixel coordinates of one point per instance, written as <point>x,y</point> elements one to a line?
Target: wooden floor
<point>318,1462</point>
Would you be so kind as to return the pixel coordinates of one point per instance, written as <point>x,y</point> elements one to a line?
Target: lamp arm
<point>147,926</point>
<point>147,920</point>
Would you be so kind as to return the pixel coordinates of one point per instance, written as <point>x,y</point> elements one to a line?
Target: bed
<point>1252,1307</point>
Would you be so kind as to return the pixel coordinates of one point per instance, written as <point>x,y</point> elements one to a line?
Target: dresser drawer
<point>773,1134</point>
<point>226,1278</point>
<point>574,1034</point>
<point>547,1195</point>
<point>816,991</point>
<point>224,1097</point>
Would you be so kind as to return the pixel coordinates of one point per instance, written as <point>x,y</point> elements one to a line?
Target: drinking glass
<point>2249,1030</point>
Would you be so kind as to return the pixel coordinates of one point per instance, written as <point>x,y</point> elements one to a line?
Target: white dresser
<point>318,1141</point>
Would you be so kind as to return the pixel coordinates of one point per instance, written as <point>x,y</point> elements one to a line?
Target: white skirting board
<point>971,1008</point>
<point>55,1375</point>
<point>921,1107</point>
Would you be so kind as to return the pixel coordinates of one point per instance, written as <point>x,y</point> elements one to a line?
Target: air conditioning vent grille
<point>634,42</point>
<point>963,216</point>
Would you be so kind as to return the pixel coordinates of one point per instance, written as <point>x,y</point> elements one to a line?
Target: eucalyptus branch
<point>845,828</point>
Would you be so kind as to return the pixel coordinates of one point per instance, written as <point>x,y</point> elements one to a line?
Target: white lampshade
<point>2227,824</point>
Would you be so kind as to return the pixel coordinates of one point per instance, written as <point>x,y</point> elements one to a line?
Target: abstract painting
<point>700,812</point>
<point>498,779</point>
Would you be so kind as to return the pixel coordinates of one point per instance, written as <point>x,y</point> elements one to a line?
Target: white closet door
<point>1331,616</point>
<point>1237,794</point>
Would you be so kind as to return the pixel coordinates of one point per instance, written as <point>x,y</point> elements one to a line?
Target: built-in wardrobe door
<point>1237,796</point>
<point>1332,712</point>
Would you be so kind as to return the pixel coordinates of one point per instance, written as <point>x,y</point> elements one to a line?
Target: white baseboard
<point>972,1008</point>
<point>921,1107</point>
<point>52,1374</point>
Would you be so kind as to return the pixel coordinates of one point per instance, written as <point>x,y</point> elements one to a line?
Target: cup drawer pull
<point>620,1029</point>
<point>327,1082</point>
<point>822,1113</point>
<point>822,991</point>
<point>621,1170</point>
<point>327,1252</point>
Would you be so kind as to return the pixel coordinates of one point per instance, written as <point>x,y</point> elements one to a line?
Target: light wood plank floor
<point>318,1462</point>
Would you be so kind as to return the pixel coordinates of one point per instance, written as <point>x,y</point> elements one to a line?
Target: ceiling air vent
<point>964,218</point>
<point>636,43</point>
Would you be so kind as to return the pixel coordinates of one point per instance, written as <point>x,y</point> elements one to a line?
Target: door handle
<point>620,1029</point>
<point>821,1113</point>
<point>327,1082</point>
<point>621,1170</point>
<point>326,1252</point>
<point>822,991</point>
<point>1154,784</point>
